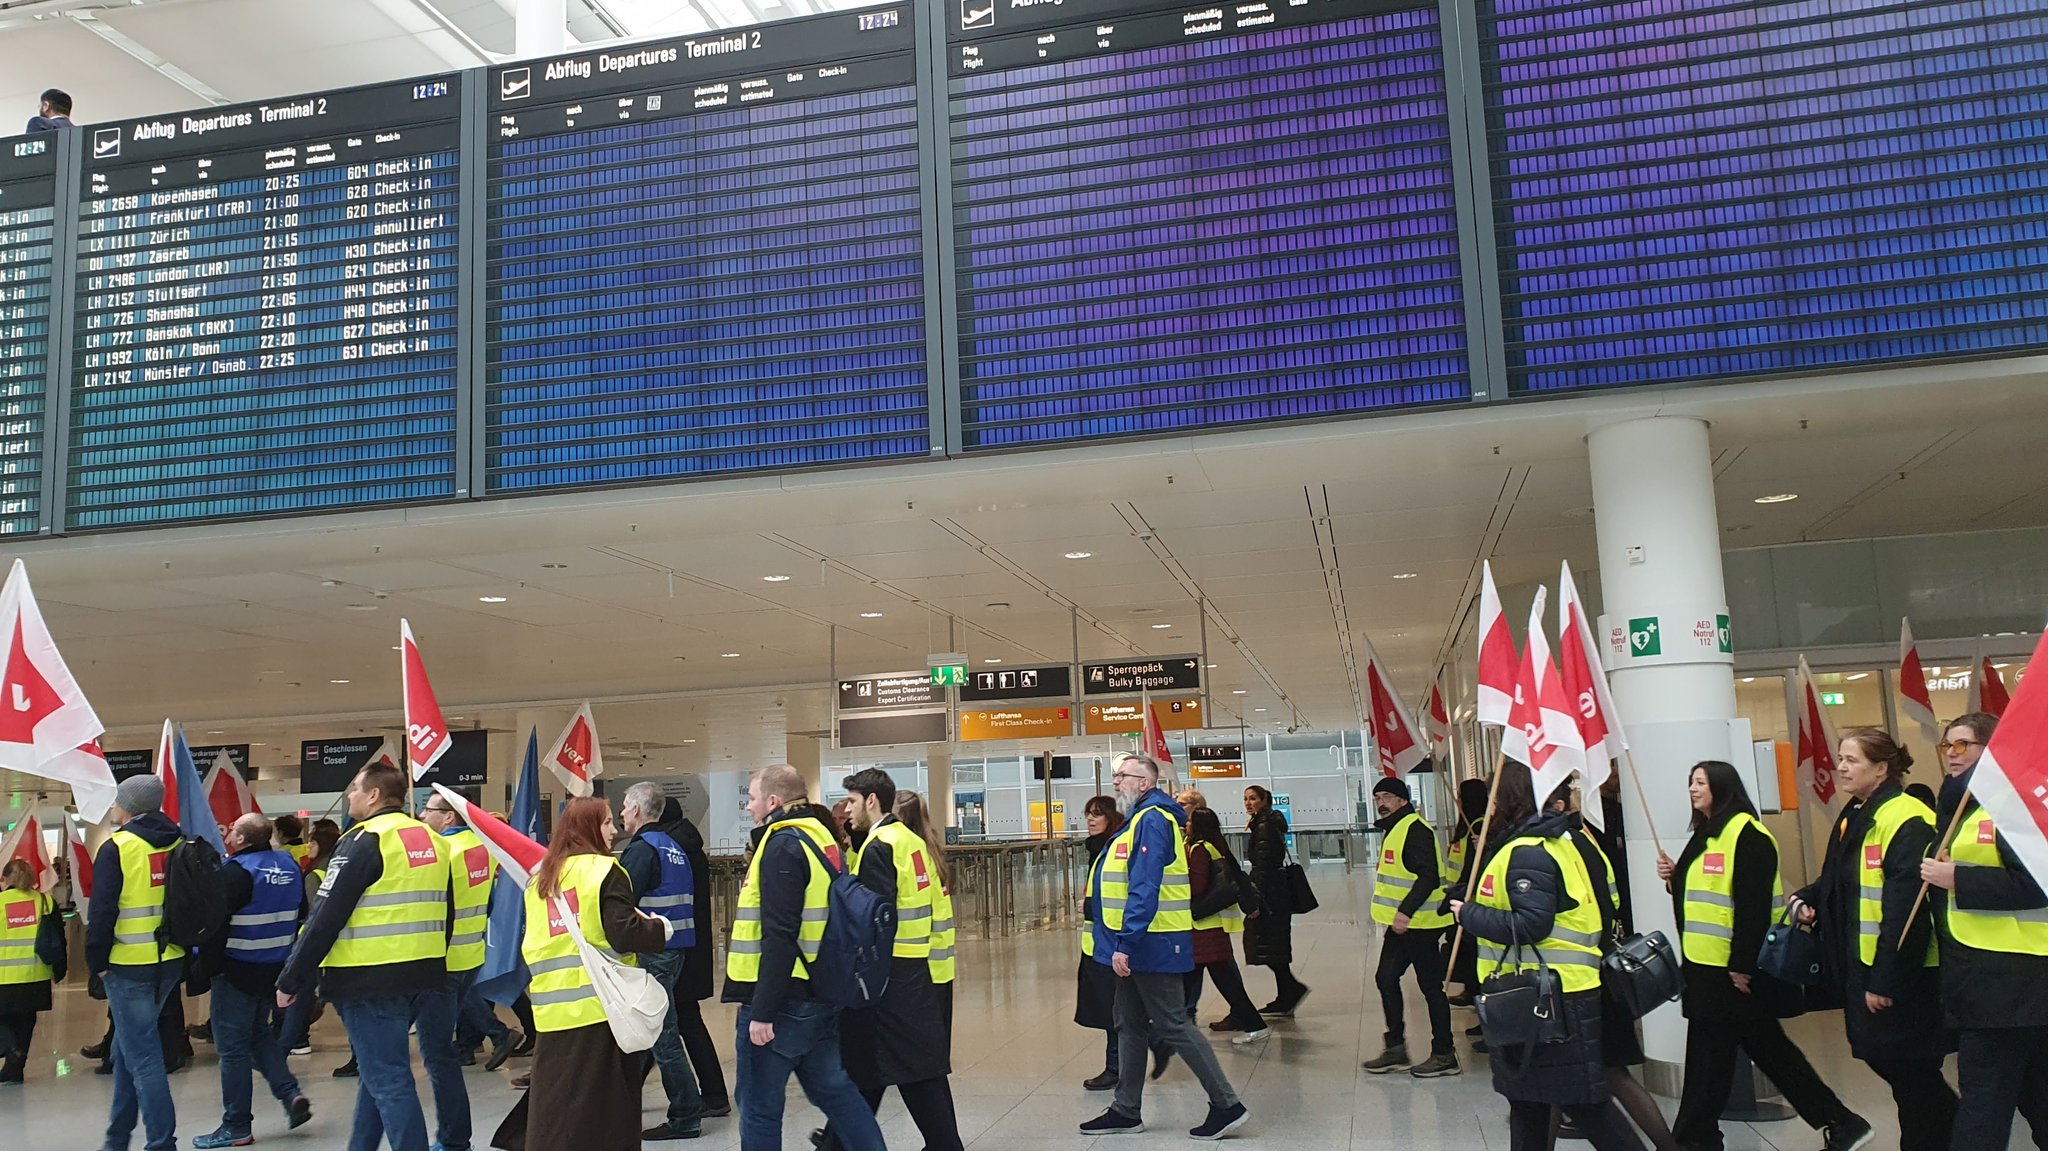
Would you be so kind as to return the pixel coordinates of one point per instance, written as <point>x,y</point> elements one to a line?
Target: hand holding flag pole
<point>1496,691</point>
<point>1948,836</point>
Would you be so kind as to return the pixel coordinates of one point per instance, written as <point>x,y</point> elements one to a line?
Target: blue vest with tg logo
<point>673,896</point>
<point>262,930</point>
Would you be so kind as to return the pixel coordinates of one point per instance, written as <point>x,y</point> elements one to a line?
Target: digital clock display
<point>432,90</point>
<point>28,234</point>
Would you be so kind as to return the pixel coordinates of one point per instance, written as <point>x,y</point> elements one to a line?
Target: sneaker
<point>1286,1010</point>
<point>1848,1134</point>
<point>307,1049</point>
<point>298,1112</point>
<point>1112,1122</point>
<point>1221,1121</point>
<point>1394,1058</point>
<point>346,1070</point>
<point>1436,1067</point>
<point>223,1138</point>
<point>1103,1082</point>
<point>503,1049</point>
<point>718,1110</point>
<point>1566,1129</point>
<point>1250,1036</point>
<point>671,1131</point>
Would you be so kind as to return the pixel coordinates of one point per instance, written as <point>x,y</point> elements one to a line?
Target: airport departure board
<point>1169,219</point>
<point>266,318</point>
<point>1702,189</point>
<point>705,256</point>
<point>28,237</point>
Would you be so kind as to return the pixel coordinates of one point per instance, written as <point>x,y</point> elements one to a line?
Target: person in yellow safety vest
<point>585,1094</point>
<point>1994,957</point>
<point>25,979</point>
<point>1144,934</point>
<point>1466,840</point>
<point>906,1040</point>
<point>1407,897</point>
<point>124,945</point>
<point>1095,984</point>
<point>471,873</point>
<point>1536,904</point>
<point>1875,947</point>
<point>377,942</point>
<point>291,838</point>
<point>783,909</point>
<point>1217,886</point>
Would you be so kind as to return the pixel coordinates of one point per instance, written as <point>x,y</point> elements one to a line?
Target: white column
<point>1674,684</point>
<point>806,754</point>
<point>541,28</point>
<point>938,785</point>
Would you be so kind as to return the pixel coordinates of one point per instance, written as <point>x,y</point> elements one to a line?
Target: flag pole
<point>1955,822</point>
<point>1628,759</point>
<point>1474,863</point>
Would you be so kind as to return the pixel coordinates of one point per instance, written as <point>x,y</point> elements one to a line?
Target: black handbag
<point>1641,974</point>
<point>1523,1008</point>
<point>1791,953</point>
<point>1301,898</point>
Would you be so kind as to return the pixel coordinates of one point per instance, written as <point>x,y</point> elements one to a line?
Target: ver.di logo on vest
<point>21,915</point>
<point>477,860</point>
<point>1714,863</point>
<point>419,846</point>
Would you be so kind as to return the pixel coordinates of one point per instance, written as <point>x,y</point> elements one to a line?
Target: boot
<point>1104,1082</point>
<point>1394,1058</point>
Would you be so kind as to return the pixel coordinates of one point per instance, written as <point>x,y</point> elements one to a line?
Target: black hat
<point>1388,785</point>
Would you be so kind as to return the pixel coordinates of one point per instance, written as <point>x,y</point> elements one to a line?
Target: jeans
<point>1155,1004</point>
<point>685,1102</point>
<point>135,998</point>
<point>295,1025</point>
<point>1421,949</point>
<point>436,1034</point>
<point>387,1099</point>
<point>475,1021</point>
<point>806,1044</point>
<point>244,1040</point>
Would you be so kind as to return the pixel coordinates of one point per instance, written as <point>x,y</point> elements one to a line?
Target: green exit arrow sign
<point>949,675</point>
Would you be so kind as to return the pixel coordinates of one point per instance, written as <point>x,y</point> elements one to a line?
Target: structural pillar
<point>540,28</point>
<point>1665,641</point>
<point>938,786</point>
<point>807,754</point>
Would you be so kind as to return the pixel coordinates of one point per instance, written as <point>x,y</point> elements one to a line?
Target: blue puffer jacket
<point>1161,951</point>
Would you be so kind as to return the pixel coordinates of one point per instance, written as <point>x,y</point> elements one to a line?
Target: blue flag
<point>503,977</point>
<point>195,811</point>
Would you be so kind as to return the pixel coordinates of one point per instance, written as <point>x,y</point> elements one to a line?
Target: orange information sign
<point>1216,770</point>
<point>1118,718</point>
<point>1015,723</point>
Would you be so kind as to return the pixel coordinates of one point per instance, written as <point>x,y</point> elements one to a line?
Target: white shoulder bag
<point>634,1003</point>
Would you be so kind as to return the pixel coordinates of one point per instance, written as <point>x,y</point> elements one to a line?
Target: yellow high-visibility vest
<point>1885,822</point>
<point>562,995</point>
<point>1231,918</point>
<point>2012,932</point>
<point>403,917</point>
<point>141,911</point>
<point>944,934</point>
<point>1113,879</point>
<point>1573,947</point>
<point>470,871</point>
<point>917,886</point>
<point>1707,935</point>
<point>1394,881</point>
<point>743,953</point>
<point>21,916</point>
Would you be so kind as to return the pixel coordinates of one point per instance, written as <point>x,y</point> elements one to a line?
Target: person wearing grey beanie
<point>138,795</point>
<point>140,970</point>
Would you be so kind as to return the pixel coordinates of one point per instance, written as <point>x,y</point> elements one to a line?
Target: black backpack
<point>852,969</point>
<point>195,903</point>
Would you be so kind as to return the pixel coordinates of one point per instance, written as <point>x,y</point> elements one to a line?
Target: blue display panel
<point>706,257</point>
<point>1698,189</point>
<point>1168,219</point>
<point>28,237</point>
<point>266,313</point>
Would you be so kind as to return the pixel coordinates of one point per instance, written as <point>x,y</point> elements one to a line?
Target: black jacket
<point>1981,990</point>
<point>1418,855</point>
<point>1269,939</point>
<point>154,829</point>
<point>696,980</point>
<point>358,862</point>
<point>785,872</point>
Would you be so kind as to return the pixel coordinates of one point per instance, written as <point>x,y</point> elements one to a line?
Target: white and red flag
<point>1585,685</point>
<point>45,720</point>
<point>1915,704</point>
<point>81,864</point>
<point>2011,777</point>
<point>1541,732</point>
<point>575,756</point>
<point>25,842</point>
<point>518,857</point>
<point>1436,717</point>
<point>1496,655</point>
<point>1816,742</point>
<point>227,792</point>
<point>1987,688</point>
<point>1152,738</point>
<point>427,737</point>
<point>1401,746</point>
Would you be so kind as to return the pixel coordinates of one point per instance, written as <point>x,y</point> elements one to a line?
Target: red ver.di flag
<point>575,757</point>
<point>1400,746</point>
<point>1496,655</point>
<point>1542,732</point>
<point>44,717</point>
<point>427,737</point>
<point>1817,740</point>
<point>2011,777</point>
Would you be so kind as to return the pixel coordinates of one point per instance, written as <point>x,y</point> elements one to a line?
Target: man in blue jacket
<point>1145,933</point>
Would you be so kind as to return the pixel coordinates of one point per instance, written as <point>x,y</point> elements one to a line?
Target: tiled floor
<point>1018,1063</point>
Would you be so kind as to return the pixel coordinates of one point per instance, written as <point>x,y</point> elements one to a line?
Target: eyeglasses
<point>1948,745</point>
<point>1126,775</point>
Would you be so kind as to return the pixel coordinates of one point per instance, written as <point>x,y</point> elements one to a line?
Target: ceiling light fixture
<point>490,599</point>
<point>689,741</point>
<point>1749,679</point>
<point>1857,676</point>
<point>337,681</point>
<point>871,615</point>
<point>1405,575</point>
<point>1239,691</point>
<point>775,579</point>
<point>554,567</point>
<point>1258,709</point>
<point>1161,626</point>
<point>1780,498</point>
<point>728,655</point>
<point>991,661</point>
<point>1211,666</point>
<point>1079,555</point>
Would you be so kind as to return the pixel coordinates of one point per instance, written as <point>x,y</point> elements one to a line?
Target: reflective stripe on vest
<point>1885,822</point>
<point>917,886</point>
<point>944,934</point>
<point>1229,920</point>
<point>673,896</point>
<point>1708,932</point>
<point>141,911</point>
<point>2011,932</point>
<point>21,916</point>
<point>743,952</point>
<point>263,929</point>
<point>1394,882</point>
<point>1573,946</point>
<point>470,871</point>
<point>403,917</point>
<point>1113,879</point>
<point>1454,863</point>
<point>561,992</point>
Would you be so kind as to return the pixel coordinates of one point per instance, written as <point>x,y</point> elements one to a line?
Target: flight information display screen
<point>706,256</point>
<point>266,313</point>
<point>1200,216</point>
<point>1699,189</point>
<point>28,238</point>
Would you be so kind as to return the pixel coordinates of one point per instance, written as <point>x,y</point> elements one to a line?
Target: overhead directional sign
<point>889,690</point>
<point>881,730</point>
<point>1015,723</point>
<point>1215,752</point>
<point>1129,715</point>
<point>1129,676</point>
<point>1055,681</point>
<point>1207,769</point>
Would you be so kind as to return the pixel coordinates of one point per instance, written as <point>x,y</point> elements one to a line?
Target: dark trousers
<point>1287,990</point>
<point>930,1103</point>
<point>2001,1070</point>
<point>1229,983</point>
<point>1600,1123</point>
<point>1423,951</point>
<point>702,1051</point>
<point>1927,1104</point>
<point>806,1045</point>
<point>1711,1040</point>
<point>17,1032</point>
